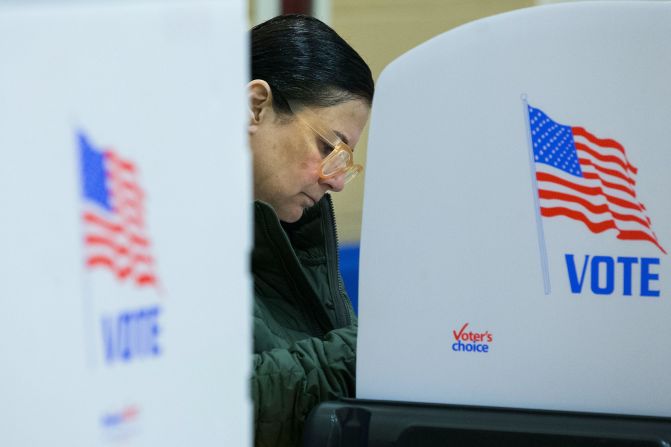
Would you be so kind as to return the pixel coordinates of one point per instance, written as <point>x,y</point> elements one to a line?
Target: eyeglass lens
<point>336,162</point>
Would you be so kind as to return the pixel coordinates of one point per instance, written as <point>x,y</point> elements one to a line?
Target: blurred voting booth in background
<point>124,187</point>
<point>514,248</point>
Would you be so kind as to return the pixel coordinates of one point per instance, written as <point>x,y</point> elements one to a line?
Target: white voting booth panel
<point>124,187</point>
<point>468,294</point>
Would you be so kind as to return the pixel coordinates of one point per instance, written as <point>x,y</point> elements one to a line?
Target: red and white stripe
<point>605,198</point>
<point>117,240</point>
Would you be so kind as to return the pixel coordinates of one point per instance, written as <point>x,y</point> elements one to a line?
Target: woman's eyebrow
<point>342,137</point>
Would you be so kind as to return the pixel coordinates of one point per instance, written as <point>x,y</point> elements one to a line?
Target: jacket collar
<point>284,256</point>
<point>287,242</point>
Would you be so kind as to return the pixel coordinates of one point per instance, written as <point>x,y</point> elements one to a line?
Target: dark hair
<point>305,61</point>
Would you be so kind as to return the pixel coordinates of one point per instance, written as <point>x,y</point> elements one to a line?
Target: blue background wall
<point>349,269</point>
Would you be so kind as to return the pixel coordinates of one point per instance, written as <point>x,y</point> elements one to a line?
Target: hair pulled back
<point>305,61</point>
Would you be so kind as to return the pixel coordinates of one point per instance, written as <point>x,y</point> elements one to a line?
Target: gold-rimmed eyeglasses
<point>341,159</point>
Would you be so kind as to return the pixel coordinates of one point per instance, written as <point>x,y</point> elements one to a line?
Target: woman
<point>309,100</point>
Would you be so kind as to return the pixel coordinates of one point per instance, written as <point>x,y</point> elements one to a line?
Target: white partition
<point>125,191</point>
<point>492,274</point>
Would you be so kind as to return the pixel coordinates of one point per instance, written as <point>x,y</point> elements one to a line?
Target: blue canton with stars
<point>553,143</point>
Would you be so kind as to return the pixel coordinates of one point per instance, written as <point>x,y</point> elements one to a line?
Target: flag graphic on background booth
<point>588,179</point>
<point>115,237</point>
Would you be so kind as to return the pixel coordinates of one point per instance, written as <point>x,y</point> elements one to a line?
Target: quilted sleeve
<point>288,383</point>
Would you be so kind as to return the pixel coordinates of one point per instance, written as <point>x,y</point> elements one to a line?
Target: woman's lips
<point>312,200</point>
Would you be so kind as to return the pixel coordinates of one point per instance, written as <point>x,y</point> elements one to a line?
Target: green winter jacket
<point>304,326</point>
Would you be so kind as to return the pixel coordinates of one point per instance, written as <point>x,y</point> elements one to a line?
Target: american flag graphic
<point>588,179</point>
<point>113,216</point>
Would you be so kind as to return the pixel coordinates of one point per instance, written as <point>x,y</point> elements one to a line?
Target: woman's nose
<point>335,183</point>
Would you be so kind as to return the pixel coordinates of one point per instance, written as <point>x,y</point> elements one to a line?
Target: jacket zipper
<point>343,317</point>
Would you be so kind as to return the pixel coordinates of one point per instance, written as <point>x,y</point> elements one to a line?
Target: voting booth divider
<point>515,282</point>
<point>125,189</point>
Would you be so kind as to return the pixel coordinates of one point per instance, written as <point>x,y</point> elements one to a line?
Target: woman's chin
<point>290,215</point>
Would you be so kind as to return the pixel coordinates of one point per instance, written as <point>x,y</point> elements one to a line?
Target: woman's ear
<point>260,102</point>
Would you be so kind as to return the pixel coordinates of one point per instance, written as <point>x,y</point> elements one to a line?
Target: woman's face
<point>288,155</point>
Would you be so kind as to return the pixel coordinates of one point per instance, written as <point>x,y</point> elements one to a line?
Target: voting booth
<point>125,191</point>
<point>515,239</point>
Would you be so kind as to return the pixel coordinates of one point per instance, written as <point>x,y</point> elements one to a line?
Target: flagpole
<point>537,207</point>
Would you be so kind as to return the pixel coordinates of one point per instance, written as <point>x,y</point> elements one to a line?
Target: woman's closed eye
<point>324,147</point>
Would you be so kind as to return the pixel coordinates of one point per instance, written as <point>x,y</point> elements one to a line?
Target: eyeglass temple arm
<point>312,121</point>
